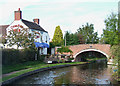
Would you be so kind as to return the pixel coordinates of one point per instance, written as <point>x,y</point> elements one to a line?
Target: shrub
<point>13,56</point>
<point>69,59</point>
<point>41,57</point>
<point>64,49</point>
<point>115,51</point>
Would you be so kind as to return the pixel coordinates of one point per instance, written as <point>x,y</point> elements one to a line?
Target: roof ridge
<point>33,25</point>
<point>27,20</point>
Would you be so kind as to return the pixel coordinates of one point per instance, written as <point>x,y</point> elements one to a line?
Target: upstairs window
<point>46,39</point>
<point>41,39</point>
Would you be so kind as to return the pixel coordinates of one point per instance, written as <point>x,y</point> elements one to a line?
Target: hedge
<point>13,56</point>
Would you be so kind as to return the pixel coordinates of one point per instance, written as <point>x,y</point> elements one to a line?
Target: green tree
<point>81,39</point>
<point>64,49</point>
<point>110,33</point>
<point>52,45</point>
<point>73,38</point>
<point>3,40</point>
<point>67,37</point>
<point>89,36</point>
<point>21,37</point>
<point>115,51</point>
<point>111,36</point>
<point>58,37</point>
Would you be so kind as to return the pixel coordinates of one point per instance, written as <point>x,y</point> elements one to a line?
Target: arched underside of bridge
<point>99,52</point>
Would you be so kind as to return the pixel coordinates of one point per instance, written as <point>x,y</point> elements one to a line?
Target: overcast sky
<point>69,14</point>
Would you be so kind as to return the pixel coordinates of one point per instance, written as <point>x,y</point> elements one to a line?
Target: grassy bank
<point>27,67</point>
<point>21,66</point>
<point>32,64</point>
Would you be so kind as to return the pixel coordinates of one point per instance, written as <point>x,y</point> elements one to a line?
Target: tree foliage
<point>110,33</point>
<point>88,34</point>
<point>52,45</point>
<point>64,49</point>
<point>115,51</point>
<point>21,37</point>
<point>81,39</point>
<point>3,40</point>
<point>67,38</point>
<point>73,38</point>
<point>84,35</point>
<point>58,37</point>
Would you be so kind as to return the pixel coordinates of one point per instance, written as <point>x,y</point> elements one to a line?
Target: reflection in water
<point>95,73</point>
<point>91,74</point>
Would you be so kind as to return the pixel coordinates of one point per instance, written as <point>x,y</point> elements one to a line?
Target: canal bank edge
<point>36,71</point>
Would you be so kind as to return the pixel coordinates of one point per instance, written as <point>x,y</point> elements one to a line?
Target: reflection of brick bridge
<point>101,48</point>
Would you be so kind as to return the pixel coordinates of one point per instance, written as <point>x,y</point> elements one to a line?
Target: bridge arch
<point>86,50</point>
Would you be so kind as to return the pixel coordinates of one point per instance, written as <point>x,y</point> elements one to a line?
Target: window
<point>46,39</point>
<point>41,32</point>
<point>41,39</point>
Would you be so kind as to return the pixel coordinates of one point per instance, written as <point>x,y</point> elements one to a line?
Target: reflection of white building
<point>32,26</point>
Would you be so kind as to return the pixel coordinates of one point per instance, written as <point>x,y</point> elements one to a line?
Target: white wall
<point>44,35</point>
<point>17,22</point>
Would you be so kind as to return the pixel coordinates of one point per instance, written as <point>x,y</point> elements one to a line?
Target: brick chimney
<point>18,14</point>
<point>36,20</point>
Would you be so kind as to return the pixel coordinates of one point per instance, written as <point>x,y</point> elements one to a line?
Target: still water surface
<point>94,73</point>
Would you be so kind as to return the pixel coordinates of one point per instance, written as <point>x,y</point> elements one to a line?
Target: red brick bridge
<point>100,48</point>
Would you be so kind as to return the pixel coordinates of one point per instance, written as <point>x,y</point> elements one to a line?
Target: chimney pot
<point>18,9</point>
<point>36,21</point>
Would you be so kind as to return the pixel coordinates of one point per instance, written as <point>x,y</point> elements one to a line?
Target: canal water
<point>93,73</point>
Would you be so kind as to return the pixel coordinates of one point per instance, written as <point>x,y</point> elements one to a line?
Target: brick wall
<point>102,47</point>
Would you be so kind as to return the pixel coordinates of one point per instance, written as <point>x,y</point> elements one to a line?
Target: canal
<point>93,73</point>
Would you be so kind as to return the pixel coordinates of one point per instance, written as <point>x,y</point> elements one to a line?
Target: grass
<point>20,66</point>
<point>27,67</point>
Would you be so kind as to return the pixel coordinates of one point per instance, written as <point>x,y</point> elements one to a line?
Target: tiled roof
<point>3,29</point>
<point>33,25</point>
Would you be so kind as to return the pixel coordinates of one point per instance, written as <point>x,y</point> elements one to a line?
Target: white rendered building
<point>32,26</point>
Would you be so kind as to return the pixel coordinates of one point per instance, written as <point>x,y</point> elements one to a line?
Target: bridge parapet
<point>105,48</point>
